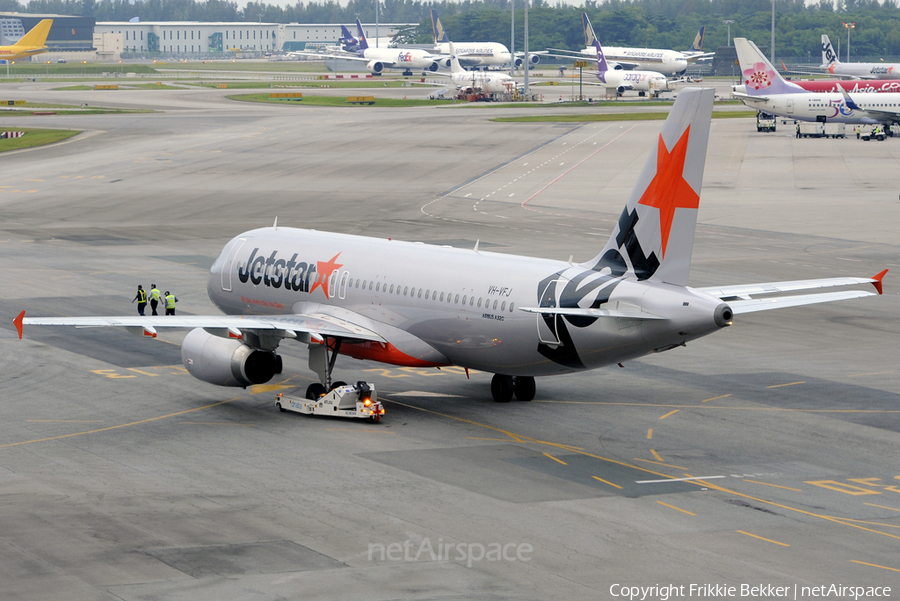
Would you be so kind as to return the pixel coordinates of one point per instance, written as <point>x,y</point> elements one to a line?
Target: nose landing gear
<point>504,387</point>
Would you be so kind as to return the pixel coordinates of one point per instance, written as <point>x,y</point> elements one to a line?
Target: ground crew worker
<point>170,303</point>
<point>141,298</point>
<point>154,298</point>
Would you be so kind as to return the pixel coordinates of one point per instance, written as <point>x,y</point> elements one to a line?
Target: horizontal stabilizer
<point>579,312</point>
<point>782,302</point>
<point>745,291</point>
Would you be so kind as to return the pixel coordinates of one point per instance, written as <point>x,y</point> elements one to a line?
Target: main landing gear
<point>503,388</point>
<point>321,361</point>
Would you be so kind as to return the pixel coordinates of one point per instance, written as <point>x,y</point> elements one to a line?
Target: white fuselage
<point>644,81</point>
<point>477,53</point>
<point>667,62</point>
<point>829,107</point>
<point>866,70</point>
<point>489,82</point>
<point>400,58</point>
<point>439,305</point>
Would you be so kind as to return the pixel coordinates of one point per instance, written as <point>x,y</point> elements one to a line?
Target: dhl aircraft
<point>33,42</point>
<point>621,80</point>
<point>765,90</point>
<point>856,70</point>
<point>415,304</point>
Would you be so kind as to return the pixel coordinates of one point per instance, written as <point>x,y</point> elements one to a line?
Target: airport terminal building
<point>192,38</point>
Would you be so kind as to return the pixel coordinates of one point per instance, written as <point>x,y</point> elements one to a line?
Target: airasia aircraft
<point>415,304</point>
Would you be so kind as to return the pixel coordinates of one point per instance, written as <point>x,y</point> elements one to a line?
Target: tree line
<point>642,23</point>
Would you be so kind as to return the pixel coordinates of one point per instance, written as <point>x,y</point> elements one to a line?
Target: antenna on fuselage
<point>476,245</point>
<point>275,225</point>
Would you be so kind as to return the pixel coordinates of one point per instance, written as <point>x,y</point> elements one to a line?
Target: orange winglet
<point>876,283</point>
<point>18,322</point>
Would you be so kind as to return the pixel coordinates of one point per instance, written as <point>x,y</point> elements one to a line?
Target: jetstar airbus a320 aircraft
<point>514,316</point>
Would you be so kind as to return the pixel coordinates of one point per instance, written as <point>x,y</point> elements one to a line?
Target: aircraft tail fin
<point>589,37</point>
<point>759,76</point>
<point>654,237</point>
<point>38,34</point>
<point>697,44</point>
<point>455,67</point>
<point>440,35</point>
<point>363,45</point>
<point>829,56</point>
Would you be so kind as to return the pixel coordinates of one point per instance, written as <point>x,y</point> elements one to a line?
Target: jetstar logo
<point>881,70</point>
<point>292,274</point>
<point>828,53</point>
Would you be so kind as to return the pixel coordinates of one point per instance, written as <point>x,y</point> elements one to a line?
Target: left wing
<point>284,326</point>
<point>741,297</point>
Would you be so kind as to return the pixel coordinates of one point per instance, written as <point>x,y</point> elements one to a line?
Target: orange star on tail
<point>669,190</point>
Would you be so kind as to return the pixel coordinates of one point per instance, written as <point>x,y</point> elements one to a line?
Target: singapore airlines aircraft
<point>488,82</point>
<point>856,70</point>
<point>379,59</point>
<point>415,304</point>
<point>765,90</point>
<point>33,42</point>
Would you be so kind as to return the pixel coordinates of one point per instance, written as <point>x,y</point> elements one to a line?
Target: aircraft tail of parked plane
<point>758,74</point>
<point>440,34</point>
<point>361,36</point>
<point>697,44</point>
<point>829,56</point>
<point>347,41</point>
<point>33,42</point>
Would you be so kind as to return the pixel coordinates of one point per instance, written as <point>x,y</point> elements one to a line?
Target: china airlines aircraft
<point>415,304</point>
<point>856,70</point>
<point>765,90</point>
<point>379,59</point>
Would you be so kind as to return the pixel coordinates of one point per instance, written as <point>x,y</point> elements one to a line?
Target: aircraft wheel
<point>314,391</point>
<point>502,388</point>
<point>524,388</point>
<point>280,408</point>
<point>338,384</point>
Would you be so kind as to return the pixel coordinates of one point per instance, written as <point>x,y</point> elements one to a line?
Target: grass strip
<point>35,137</point>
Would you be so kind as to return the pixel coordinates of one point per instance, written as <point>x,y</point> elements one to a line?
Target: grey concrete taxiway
<point>763,454</point>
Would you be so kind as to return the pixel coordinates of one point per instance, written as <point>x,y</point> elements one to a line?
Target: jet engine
<point>534,58</point>
<point>519,62</point>
<point>445,63</point>
<point>225,361</point>
<point>621,90</point>
<point>375,67</point>
<point>433,66</point>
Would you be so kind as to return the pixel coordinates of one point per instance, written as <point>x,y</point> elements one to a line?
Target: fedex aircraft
<point>856,70</point>
<point>33,42</point>
<point>621,80</point>
<point>415,304</point>
<point>347,41</point>
<point>472,54</point>
<point>379,59</point>
<point>765,90</point>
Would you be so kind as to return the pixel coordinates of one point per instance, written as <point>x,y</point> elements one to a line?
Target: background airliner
<point>764,89</point>
<point>621,80</point>
<point>379,59</point>
<point>856,70</point>
<point>474,54</point>
<point>33,42</point>
<point>488,82</point>
<point>667,62</point>
<point>424,305</point>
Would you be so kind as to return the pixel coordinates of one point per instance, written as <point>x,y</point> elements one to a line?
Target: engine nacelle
<point>519,62</point>
<point>621,90</point>
<point>445,63</point>
<point>534,58</point>
<point>433,67</point>
<point>226,362</point>
<point>375,67</point>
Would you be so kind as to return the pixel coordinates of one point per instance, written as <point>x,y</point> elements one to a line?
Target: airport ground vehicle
<point>765,121</point>
<point>821,130</point>
<point>357,401</point>
<point>877,133</point>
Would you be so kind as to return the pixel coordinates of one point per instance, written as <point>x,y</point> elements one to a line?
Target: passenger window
<point>442,296</point>
<point>503,306</point>
<point>427,294</point>
<point>378,287</point>
<point>472,301</point>
<point>405,290</point>
<point>420,293</point>
<point>392,288</point>
<point>479,303</point>
<point>495,305</point>
<point>457,299</point>
<point>464,299</point>
<point>511,307</point>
